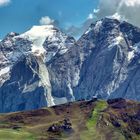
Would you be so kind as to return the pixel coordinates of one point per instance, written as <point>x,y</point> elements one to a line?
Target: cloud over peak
<point>127,10</point>
<point>122,9</point>
<point>46,20</point>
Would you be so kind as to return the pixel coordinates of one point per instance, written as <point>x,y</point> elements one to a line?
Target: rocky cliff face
<point>38,68</point>
<point>45,67</point>
<point>111,68</point>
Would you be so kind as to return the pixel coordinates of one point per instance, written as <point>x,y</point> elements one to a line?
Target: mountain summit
<point>34,65</point>
<point>45,67</point>
<point>111,69</point>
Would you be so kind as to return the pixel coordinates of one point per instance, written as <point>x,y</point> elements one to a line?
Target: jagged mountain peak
<point>28,60</point>
<point>111,31</point>
<point>108,24</point>
<point>47,39</point>
<point>55,68</point>
<point>37,35</point>
<point>113,57</point>
<point>11,34</point>
<point>39,40</point>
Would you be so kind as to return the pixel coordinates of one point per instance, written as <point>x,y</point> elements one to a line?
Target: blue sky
<point>20,15</point>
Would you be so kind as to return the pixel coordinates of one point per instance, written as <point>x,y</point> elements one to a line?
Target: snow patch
<point>89,29</point>
<point>116,41</point>
<point>98,26</point>
<point>38,51</point>
<point>71,92</point>
<point>131,55</point>
<point>136,47</point>
<point>38,35</point>
<point>45,80</point>
<point>4,71</point>
<point>135,50</point>
<point>8,43</point>
<point>58,101</point>
<point>116,16</point>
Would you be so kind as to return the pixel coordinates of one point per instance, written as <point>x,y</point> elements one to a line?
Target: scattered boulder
<point>16,127</point>
<point>62,126</point>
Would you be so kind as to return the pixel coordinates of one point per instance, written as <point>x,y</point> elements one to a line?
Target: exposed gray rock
<point>37,70</point>
<point>112,68</point>
<point>45,67</point>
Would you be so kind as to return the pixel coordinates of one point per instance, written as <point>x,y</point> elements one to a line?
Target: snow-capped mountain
<point>38,68</point>
<point>45,67</point>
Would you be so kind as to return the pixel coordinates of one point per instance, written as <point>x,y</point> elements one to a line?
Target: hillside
<point>116,119</point>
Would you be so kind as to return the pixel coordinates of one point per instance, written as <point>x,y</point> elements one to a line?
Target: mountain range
<point>45,67</point>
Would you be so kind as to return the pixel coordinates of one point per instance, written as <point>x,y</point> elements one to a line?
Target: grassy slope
<point>91,120</point>
<point>9,134</point>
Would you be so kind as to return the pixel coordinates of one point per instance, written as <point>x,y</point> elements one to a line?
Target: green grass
<point>100,106</point>
<point>91,133</point>
<point>9,134</point>
<point>89,122</point>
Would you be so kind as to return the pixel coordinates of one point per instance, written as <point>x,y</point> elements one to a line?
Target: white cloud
<point>90,16</point>
<point>118,17</point>
<point>96,10</point>
<point>4,2</point>
<point>120,9</point>
<point>132,3</point>
<point>46,21</point>
<point>128,10</point>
